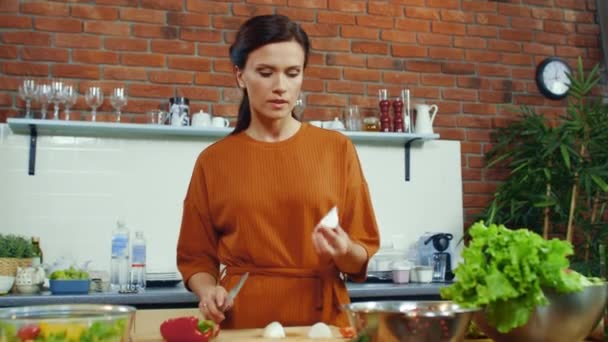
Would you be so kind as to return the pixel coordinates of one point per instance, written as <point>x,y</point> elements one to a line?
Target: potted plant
<point>15,251</point>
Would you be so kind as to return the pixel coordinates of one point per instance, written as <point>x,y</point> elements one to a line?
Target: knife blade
<point>235,290</point>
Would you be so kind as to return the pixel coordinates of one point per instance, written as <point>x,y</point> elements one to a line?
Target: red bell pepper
<point>28,332</point>
<point>188,329</point>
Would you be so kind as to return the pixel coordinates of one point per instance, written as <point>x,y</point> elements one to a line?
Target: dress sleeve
<point>357,215</point>
<point>198,240</point>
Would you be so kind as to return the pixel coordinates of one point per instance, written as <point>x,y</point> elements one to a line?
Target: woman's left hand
<point>333,242</point>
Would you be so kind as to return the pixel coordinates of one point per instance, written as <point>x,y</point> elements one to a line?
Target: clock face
<point>552,78</point>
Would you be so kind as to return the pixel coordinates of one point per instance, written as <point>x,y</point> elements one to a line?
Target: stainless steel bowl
<point>568,317</point>
<point>75,322</point>
<point>409,321</point>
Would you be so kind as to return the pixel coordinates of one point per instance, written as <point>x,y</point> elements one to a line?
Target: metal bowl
<point>75,322</point>
<point>568,317</point>
<point>409,321</point>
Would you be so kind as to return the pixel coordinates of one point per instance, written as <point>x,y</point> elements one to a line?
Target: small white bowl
<point>6,283</point>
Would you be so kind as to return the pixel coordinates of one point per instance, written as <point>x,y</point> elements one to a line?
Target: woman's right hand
<point>213,303</point>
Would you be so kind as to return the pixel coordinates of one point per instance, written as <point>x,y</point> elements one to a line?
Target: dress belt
<point>330,281</point>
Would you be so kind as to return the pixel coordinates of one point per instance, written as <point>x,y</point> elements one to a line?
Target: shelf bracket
<point>33,141</point>
<point>407,158</point>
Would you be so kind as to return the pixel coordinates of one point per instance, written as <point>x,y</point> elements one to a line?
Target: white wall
<point>82,185</point>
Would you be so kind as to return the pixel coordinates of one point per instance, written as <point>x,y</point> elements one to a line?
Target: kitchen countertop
<point>178,295</point>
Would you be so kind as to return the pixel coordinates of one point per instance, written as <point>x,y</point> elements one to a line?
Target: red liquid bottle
<point>385,105</point>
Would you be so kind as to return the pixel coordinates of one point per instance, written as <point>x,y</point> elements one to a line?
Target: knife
<point>235,290</point>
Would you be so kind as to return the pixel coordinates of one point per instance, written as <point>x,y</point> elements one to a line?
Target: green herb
<point>14,246</point>
<point>506,271</point>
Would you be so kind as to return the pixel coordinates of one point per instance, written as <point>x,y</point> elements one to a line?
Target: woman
<point>257,196</point>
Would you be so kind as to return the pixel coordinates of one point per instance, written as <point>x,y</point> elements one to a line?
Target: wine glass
<point>27,92</point>
<point>44,94</point>
<point>70,95</point>
<point>118,99</point>
<point>300,104</point>
<point>57,97</point>
<point>94,98</point>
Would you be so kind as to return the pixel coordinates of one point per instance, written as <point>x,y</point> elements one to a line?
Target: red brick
<point>348,6</point>
<point>494,70</point>
<point>515,59</point>
<point>131,3</point>
<point>470,42</point>
<point>572,4</point>
<point>151,90</point>
<point>94,12</point>
<point>583,41</point>
<point>579,17</point>
<point>142,15</point>
<point>501,45</point>
<point>479,108</point>
<point>77,41</point>
<point>76,71</point>
<point>398,36</point>
<point>451,134</point>
<point>586,29</point>
<point>349,31</point>
<point>207,7</point>
<point>345,59</point>
<point>384,8</point>
<point>330,44</point>
<point>170,77</point>
<point>518,35</point>
<point>171,5</point>
<point>336,18</point>
<point>421,66</point>
<point>482,31</point>
<point>479,6</point>
<point>409,51</point>
<point>361,74</point>
<point>9,52</point>
<point>478,201</point>
<point>25,69</point>
<point>172,47</point>
<point>200,35</point>
<point>478,135</point>
<point>44,54</point>
<point>227,22</point>
<point>458,68</point>
<point>142,59</point>
<point>495,97</point>
<point>315,58</point>
<point>217,79</point>
<point>385,63</point>
<point>482,56</point>
<point>251,10</point>
<point>526,24</point>
<point>9,6</point>
<point>321,4</point>
<point>479,187</point>
<point>437,80</point>
<point>422,13</point>
<point>547,14</point>
<point>15,22</point>
<point>155,31</point>
<point>26,38</point>
<point>301,15</point>
<point>474,122</point>
<point>538,49</point>
<point>320,30</point>
<point>323,72</point>
<point>491,19</point>
<point>345,87</point>
<point>369,48</point>
<point>569,51</point>
<point>445,120</point>
<point>45,8</point>
<point>550,38</point>
<point>456,16</point>
<point>326,100</point>
<point>413,25</point>
<point>124,73</point>
<point>313,85</point>
<point>105,28</point>
<point>434,39</point>
<point>469,82</point>
<point>126,44</point>
<point>375,21</point>
<point>468,95</point>
<point>189,63</point>
<point>58,25</point>
<point>514,10</point>
<point>188,19</point>
<point>95,57</point>
<point>200,93</point>
<point>470,147</point>
<point>446,53</point>
<point>213,50</point>
<point>6,100</point>
<point>225,110</point>
<point>448,28</point>
<point>402,78</point>
<point>223,66</point>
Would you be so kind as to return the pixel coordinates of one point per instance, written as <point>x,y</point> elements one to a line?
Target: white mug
<point>201,119</point>
<point>219,121</point>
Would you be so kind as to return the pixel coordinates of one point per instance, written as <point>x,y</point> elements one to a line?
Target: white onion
<point>320,330</point>
<point>274,330</point>
<point>331,219</point>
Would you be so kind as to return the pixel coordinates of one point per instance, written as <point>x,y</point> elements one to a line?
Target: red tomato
<point>28,332</point>
<point>348,332</point>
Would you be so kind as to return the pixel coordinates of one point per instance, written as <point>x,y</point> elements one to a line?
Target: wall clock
<point>552,78</point>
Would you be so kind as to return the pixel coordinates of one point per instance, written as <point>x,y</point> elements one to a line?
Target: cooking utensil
<point>406,321</point>
<point>235,290</point>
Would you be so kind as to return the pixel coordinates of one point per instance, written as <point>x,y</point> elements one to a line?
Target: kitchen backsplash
<point>83,185</point>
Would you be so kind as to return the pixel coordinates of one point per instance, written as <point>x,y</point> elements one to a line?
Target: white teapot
<point>29,279</point>
<point>425,115</point>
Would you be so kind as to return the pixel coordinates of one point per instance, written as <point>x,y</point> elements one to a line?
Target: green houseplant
<point>558,173</point>
<point>14,251</point>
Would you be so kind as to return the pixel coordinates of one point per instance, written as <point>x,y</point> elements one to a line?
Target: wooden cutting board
<point>256,335</point>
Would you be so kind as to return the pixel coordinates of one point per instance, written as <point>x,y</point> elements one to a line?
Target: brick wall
<point>473,58</point>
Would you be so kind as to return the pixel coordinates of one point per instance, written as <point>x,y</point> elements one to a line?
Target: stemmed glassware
<point>27,92</point>
<point>118,99</point>
<point>44,93</point>
<point>57,97</point>
<point>94,98</point>
<point>70,95</point>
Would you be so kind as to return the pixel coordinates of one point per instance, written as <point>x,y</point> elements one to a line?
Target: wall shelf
<point>38,127</point>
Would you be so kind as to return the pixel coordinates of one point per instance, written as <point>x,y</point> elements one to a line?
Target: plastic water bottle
<point>119,266</point>
<point>138,262</point>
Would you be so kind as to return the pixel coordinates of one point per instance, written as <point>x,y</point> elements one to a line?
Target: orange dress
<point>252,206</point>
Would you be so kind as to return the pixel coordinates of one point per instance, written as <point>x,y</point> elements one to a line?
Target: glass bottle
<point>37,259</point>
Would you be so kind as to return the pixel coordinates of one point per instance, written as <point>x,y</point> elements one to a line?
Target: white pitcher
<point>425,115</point>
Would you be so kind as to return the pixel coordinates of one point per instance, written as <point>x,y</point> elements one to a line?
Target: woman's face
<point>273,78</point>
